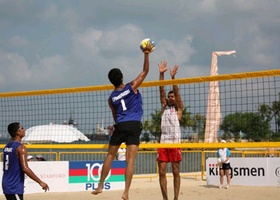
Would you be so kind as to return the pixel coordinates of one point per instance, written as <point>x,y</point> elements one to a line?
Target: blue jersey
<point>13,175</point>
<point>127,104</point>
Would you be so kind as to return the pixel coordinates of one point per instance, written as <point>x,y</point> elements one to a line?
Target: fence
<point>192,165</point>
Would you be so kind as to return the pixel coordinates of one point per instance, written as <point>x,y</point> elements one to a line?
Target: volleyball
<point>144,43</point>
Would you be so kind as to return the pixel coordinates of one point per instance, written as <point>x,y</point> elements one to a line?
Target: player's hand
<point>148,48</point>
<point>173,71</point>
<point>44,186</point>
<point>162,66</point>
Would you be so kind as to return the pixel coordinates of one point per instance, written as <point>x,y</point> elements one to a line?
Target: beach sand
<point>146,189</point>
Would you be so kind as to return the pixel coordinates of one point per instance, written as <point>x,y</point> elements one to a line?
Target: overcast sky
<point>70,43</point>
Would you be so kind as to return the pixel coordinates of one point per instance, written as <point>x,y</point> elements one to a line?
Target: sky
<point>69,43</point>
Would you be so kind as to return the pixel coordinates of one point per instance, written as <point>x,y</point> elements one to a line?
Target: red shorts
<point>169,155</point>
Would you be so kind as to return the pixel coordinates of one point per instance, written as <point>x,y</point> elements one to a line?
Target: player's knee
<point>162,172</point>
<point>176,172</point>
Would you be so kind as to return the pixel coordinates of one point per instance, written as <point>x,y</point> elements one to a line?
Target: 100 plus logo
<point>90,173</point>
<point>92,169</point>
<point>96,177</point>
<point>239,171</point>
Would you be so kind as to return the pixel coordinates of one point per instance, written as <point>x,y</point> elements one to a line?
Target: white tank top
<point>170,126</point>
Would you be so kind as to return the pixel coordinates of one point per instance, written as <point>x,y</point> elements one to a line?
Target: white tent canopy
<point>53,133</point>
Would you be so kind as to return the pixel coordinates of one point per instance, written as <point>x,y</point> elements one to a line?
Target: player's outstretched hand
<point>149,47</point>
<point>173,71</point>
<point>162,66</point>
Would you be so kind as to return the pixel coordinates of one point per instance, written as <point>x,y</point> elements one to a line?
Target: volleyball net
<point>249,106</point>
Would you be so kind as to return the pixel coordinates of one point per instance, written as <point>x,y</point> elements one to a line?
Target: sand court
<point>146,189</point>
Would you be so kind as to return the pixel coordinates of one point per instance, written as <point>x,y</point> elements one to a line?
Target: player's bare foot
<point>96,192</point>
<point>124,197</point>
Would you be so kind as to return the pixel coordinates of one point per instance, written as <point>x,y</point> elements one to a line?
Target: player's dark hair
<point>170,92</point>
<point>115,76</point>
<point>13,128</point>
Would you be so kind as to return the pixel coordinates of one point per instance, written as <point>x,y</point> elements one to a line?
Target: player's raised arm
<point>162,69</point>
<point>179,103</point>
<point>140,78</point>
<point>147,49</point>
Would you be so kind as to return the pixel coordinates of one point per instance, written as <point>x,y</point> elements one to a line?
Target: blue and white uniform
<point>223,154</point>
<point>129,112</point>
<point>127,104</point>
<point>13,175</point>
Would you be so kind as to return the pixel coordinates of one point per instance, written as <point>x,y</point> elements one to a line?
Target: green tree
<point>251,124</point>
<point>255,127</point>
<point>153,126</point>
<point>270,113</point>
<point>186,120</point>
<point>265,112</point>
<point>198,123</point>
<point>275,108</point>
<point>226,136</point>
<point>232,123</point>
<point>145,137</point>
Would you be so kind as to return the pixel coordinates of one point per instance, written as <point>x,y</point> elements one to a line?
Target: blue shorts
<point>128,132</point>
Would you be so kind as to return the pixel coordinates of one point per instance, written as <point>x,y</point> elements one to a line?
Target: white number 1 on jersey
<point>123,105</point>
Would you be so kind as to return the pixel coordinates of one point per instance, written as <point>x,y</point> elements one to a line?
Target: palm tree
<point>153,126</point>
<point>186,120</point>
<point>198,125</point>
<point>269,112</point>
<point>275,108</point>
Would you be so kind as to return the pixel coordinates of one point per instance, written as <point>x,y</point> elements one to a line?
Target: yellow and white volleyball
<point>144,43</point>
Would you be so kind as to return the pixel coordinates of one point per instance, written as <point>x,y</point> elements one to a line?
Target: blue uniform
<point>129,112</point>
<point>13,175</point>
<point>127,104</point>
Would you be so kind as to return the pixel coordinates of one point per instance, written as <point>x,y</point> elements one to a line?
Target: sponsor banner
<point>246,171</point>
<point>85,175</point>
<point>274,173</point>
<point>64,176</point>
<point>55,174</point>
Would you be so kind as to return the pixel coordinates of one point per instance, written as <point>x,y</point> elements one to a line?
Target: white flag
<point>214,115</point>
